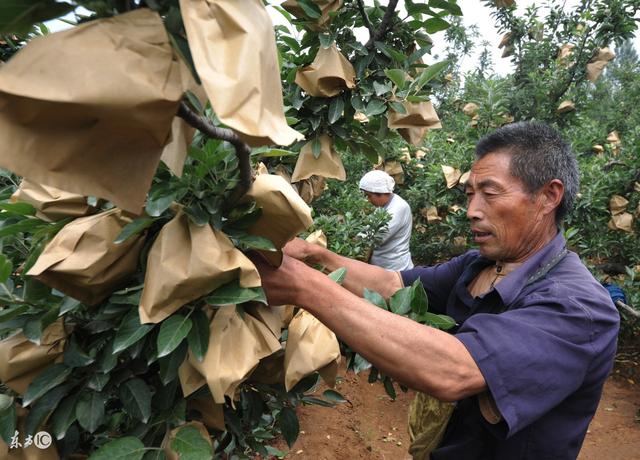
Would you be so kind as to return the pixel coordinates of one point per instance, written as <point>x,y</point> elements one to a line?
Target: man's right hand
<point>302,250</point>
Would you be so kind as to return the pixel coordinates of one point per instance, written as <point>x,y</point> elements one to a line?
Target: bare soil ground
<point>372,426</point>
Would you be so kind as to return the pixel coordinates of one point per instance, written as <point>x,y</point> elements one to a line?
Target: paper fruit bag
<point>89,109</point>
<point>596,65</point>
<point>311,188</point>
<point>188,261</point>
<point>52,203</point>
<point>284,213</point>
<point>234,50</point>
<point>419,118</point>
<point>328,164</point>
<point>328,75</point>
<point>236,346</point>
<point>22,360</point>
<point>83,261</point>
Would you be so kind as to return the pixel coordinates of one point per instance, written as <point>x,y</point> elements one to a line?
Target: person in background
<point>536,334</point>
<point>393,252</point>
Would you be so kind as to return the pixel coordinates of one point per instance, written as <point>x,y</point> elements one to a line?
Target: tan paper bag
<point>566,51</point>
<point>326,7</point>
<point>270,370</point>
<point>83,261</point>
<point>31,452</point>
<point>212,414</point>
<point>312,188</point>
<point>236,345</point>
<point>596,65</point>
<point>22,360</point>
<point>234,50</point>
<point>503,3</point>
<point>267,316</point>
<point>470,109</point>
<point>51,203</point>
<point>170,436</point>
<point>614,139</point>
<point>89,109</point>
<point>394,169</point>
<point>328,75</point>
<point>622,221</point>
<point>284,213</point>
<point>190,379</point>
<point>328,164</point>
<point>618,204</point>
<point>413,125</point>
<point>431,214</point>
<point>186,262</point>
<point>452,175</point>
<point>283,172</point>
<point>311,346</point>
<point>566,106</point>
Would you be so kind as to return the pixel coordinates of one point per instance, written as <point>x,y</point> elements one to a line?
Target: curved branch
<point>384,24</point>
<point>243,151</point>
<point>365,18</point>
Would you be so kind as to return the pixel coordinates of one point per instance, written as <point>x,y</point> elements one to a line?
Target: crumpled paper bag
<point>284,213</point>
<point>431,214</point>
<point>171,435</point>
<point>32,452</point>
<point>393,168</point>
<point>326,7</point>
<point>470,109</point>
<point>622,221</point>
<point>566,106</point>
<point>311,346</point>
<point>618,204</point>
<point>464,178</point>
<point>596,65</point>
<point>566,51</point>
<point>83,261</point>
<point>452,175</point>
<point>236,345</point>
<point>328,164</point>
<point>22,360</point>
<point>312,188</point>
<point>212,414</point>
<point>234,50</point>
<point>186,262</point>
<point>328,75</point>
<point>413,125</point>
<point>51,203</point>
<point>614,139</point>
<point>261,169</point>
<point>503,3</point>
<point>190,379</point>
<point>270,370</point>
<point>89,109</point>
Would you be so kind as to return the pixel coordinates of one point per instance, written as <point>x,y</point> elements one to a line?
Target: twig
<point>243,151</point>
<point>628,309</point>
<point>365,18</point>
<point>384,24</point>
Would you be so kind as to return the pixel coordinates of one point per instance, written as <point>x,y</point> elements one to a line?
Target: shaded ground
<point>375,427</point>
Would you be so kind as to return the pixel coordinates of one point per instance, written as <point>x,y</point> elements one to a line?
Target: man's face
<point>506,220</point>
<point>378,199</point>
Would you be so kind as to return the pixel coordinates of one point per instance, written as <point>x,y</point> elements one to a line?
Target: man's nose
<point>473,209</point>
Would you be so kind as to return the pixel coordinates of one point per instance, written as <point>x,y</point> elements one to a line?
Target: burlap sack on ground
<point>31,452</point>
<point>428,418</point>
<point>234,50</point>
<point>188,261</point>
<point>170,436</point>
<point>596,65</point>
<point>328,75</point>
<point>284,213</point>
<point>83,261</point>
<point>22,360</point>
<point>236,345</point>
<point>413,125</point>
<point>89,109</point>
<point>326,7</point>
<point>328,164</point>
<point>51,203</point>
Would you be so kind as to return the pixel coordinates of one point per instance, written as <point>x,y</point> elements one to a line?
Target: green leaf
<point>22,209</point>
<point>43,408</point>
<point>128,448</point>
<point>336,107</point>
<point>420,301</point>
<point>270,152</point>
<point>310,9</point>
<point>325,40</point>
<point>254,242</point>
<point>29,225</point>
<point>74,356</point>
<point>194,101</point>
<point>433,25</point>
<point>388,387</point>
<point>64,416</point>
<point>316,147</point>
<point>173,331</point>
<point>398,107</point>
<point>11,312</point>
<point>8,418</point>
<point>45,381</point>
<point>136,399</point>
<point>427,75</point>
<point>232,294</point>
<point>155,455</point>
<point>191,445</point>
<point>360,364</point>
<point>157,205</point>
<point>198,337</point>
<point>397,76</point>
<point>169,364</point>
<point>375,298</point>
<point>130,331</point>
<point>289,425</point>
<point>133,228</point>
<point>98,381</point>
<point>400,302</point>
<point>381,88</point>
<point>418,98</point>
<point>375,107</point>
<point>390,52</point>
<point>449,6</point>
<point>90,410</point>
<point>338,275</point>
<point>334,396</point>
<point>438,321</point>
<point>18,16</point>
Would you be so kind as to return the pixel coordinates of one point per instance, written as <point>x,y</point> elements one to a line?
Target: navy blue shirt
<point>544,347</point>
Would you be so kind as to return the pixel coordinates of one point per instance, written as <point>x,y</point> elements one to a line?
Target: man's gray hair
<point>538,155</point>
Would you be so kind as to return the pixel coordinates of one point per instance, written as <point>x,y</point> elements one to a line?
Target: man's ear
<point>552,194</point>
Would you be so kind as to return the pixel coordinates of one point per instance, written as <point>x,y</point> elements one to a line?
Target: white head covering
<point>377,182</point>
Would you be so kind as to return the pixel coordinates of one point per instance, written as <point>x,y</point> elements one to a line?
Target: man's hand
<point>302,250</point>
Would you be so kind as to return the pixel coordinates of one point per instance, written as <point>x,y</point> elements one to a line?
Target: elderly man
<point>393,251</point>
<point>536,333</point>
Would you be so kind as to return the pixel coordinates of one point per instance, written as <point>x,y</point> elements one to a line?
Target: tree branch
<point>365,18</point>
<point>243,151</point>
<point>384,24</point>
<point>628,309</point>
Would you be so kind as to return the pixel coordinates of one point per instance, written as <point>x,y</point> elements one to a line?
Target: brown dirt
<point>374,427</point>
